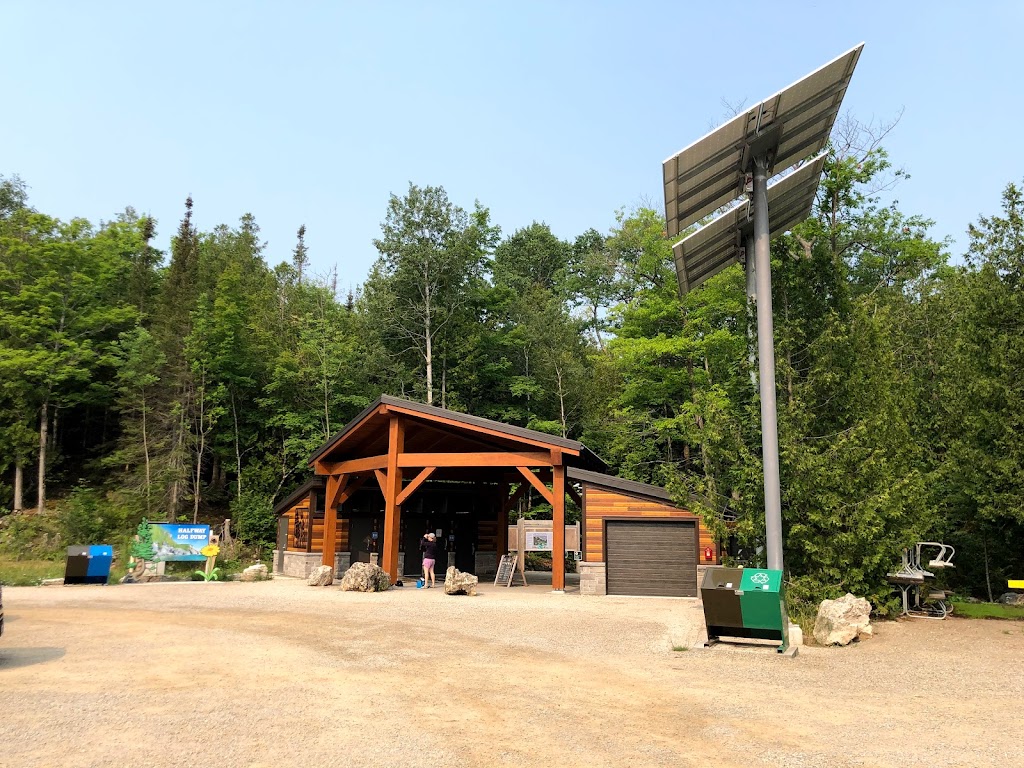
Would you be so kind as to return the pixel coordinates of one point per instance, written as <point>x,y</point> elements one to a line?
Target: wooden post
<point>503,519</point>
<point>330,540</point>
<point>393,486</point>
<point>558,521</point>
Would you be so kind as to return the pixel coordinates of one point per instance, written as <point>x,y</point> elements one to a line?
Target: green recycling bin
<point>745,602</point>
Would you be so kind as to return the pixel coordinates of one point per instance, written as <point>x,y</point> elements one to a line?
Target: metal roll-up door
<point>651,557</point>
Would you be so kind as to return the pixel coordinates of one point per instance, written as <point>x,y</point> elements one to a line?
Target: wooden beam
<point>476,459</point>
<point>335,486</point>
<point>462,425</point>
<point>355,465</point>
<point>558,522</point>
<point>512,500</point>
<point>320,466</point>
<point>382,481</point>
<point>417,481</point>
<point>392,509</point>
<point>574,496</point>
<point>331,499</point>
<point>536,483</point>
<point>350,489</point>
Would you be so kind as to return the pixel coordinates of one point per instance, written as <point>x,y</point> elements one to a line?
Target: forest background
<point>193,385</point>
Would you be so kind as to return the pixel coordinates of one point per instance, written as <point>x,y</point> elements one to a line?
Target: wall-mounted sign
<point>179,542</point>
<point>539,541</point>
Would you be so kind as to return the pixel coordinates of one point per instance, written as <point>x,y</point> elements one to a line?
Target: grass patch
<point>989,611</point>
<point>680,648</point>
<point>28,573</point>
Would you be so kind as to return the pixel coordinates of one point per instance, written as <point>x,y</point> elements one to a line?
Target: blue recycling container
<point>100,558</point>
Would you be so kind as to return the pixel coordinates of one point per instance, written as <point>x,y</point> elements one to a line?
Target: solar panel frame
<point>710,173</point>
<point>718,245</point>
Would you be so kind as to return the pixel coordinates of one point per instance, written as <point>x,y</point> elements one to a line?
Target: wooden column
<point>558,521</point>
<point>392,509</point>
<point>330,541</point>
<point>503,501</point>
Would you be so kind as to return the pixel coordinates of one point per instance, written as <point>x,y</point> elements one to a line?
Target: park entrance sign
<point>173,542</point>
<point>780,132</point>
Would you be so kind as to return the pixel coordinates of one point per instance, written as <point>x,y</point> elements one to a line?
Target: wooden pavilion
<point>401,468</point>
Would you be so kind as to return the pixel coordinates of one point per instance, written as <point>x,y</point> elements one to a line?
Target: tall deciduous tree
<point>431,253</point>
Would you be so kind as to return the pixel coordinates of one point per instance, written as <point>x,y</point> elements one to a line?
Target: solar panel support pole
<point>766,365</point>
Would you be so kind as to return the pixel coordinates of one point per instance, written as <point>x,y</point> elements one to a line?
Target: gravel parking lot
<point>281,674</point>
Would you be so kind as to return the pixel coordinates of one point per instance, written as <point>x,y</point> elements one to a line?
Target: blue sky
<point>312,113</point>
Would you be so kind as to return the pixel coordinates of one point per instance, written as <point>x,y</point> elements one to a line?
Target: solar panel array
<point>790,126</point>
<point>718,244</point>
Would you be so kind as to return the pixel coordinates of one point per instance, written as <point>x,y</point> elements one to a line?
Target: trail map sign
<point>179,542</point>
<point>539,541</point>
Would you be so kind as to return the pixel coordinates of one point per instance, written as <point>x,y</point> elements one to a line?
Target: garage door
<point>656,557</point>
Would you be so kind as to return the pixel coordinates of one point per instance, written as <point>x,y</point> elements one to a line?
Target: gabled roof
<point>317,482</point>
<point>464,422</point>
<point>645,490</point>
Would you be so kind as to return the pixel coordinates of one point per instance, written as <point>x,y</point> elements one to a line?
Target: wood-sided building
<point>401,469</point>
<point>637,541</point>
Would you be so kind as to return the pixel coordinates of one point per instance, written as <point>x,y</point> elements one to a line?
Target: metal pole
<point>766,366</point>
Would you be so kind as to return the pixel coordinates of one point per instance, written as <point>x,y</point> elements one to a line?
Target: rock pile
<point>363,577</point>
<point>458,583</point>
<point>842,621</point>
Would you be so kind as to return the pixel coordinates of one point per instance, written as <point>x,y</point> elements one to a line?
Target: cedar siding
<point>600,504</point>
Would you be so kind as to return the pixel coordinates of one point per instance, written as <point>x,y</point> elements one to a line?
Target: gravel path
<point>281,674</point>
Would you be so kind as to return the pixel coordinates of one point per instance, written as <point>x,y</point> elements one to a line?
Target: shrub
<point>255,519</point>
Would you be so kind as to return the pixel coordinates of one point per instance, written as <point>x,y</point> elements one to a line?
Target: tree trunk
<point>561,401</point>
<point>145,452</point>
<point>43,424</point>
<point>429,357</point>
<point>19,486</point>
<point>238,452</point>
<point>988,580</point>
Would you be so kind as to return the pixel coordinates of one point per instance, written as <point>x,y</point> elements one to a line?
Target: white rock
<point>842,621</point>
<point>364,577</point>
<point>322,576</point>
<point>458,583</point>
<point>256,572</point>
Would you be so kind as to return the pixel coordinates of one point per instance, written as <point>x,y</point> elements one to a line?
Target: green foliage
<point>199,388</point>
<point>86,517</point>
<point>254,517</point>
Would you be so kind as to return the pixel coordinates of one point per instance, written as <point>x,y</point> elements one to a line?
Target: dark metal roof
<point>317,482</point>
<point>655,492</point>
<point>432,411</point>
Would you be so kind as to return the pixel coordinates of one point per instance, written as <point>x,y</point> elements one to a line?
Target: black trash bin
<point>722,609</point>
<point>76,571</point>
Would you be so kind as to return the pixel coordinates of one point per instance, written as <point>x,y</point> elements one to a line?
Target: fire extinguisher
<point>709,554</point>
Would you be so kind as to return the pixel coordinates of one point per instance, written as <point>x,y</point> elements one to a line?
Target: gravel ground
<point>281,674</point>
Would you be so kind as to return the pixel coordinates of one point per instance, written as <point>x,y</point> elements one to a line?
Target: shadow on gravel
<point>11,658</point>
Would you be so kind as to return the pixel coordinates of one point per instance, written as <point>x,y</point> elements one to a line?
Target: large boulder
<point>842,621</point>
<point>458,583</point>
<point>1012,598</point>
<point>363,577</point>
<point>256,572</point>
<point>322,576</point>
